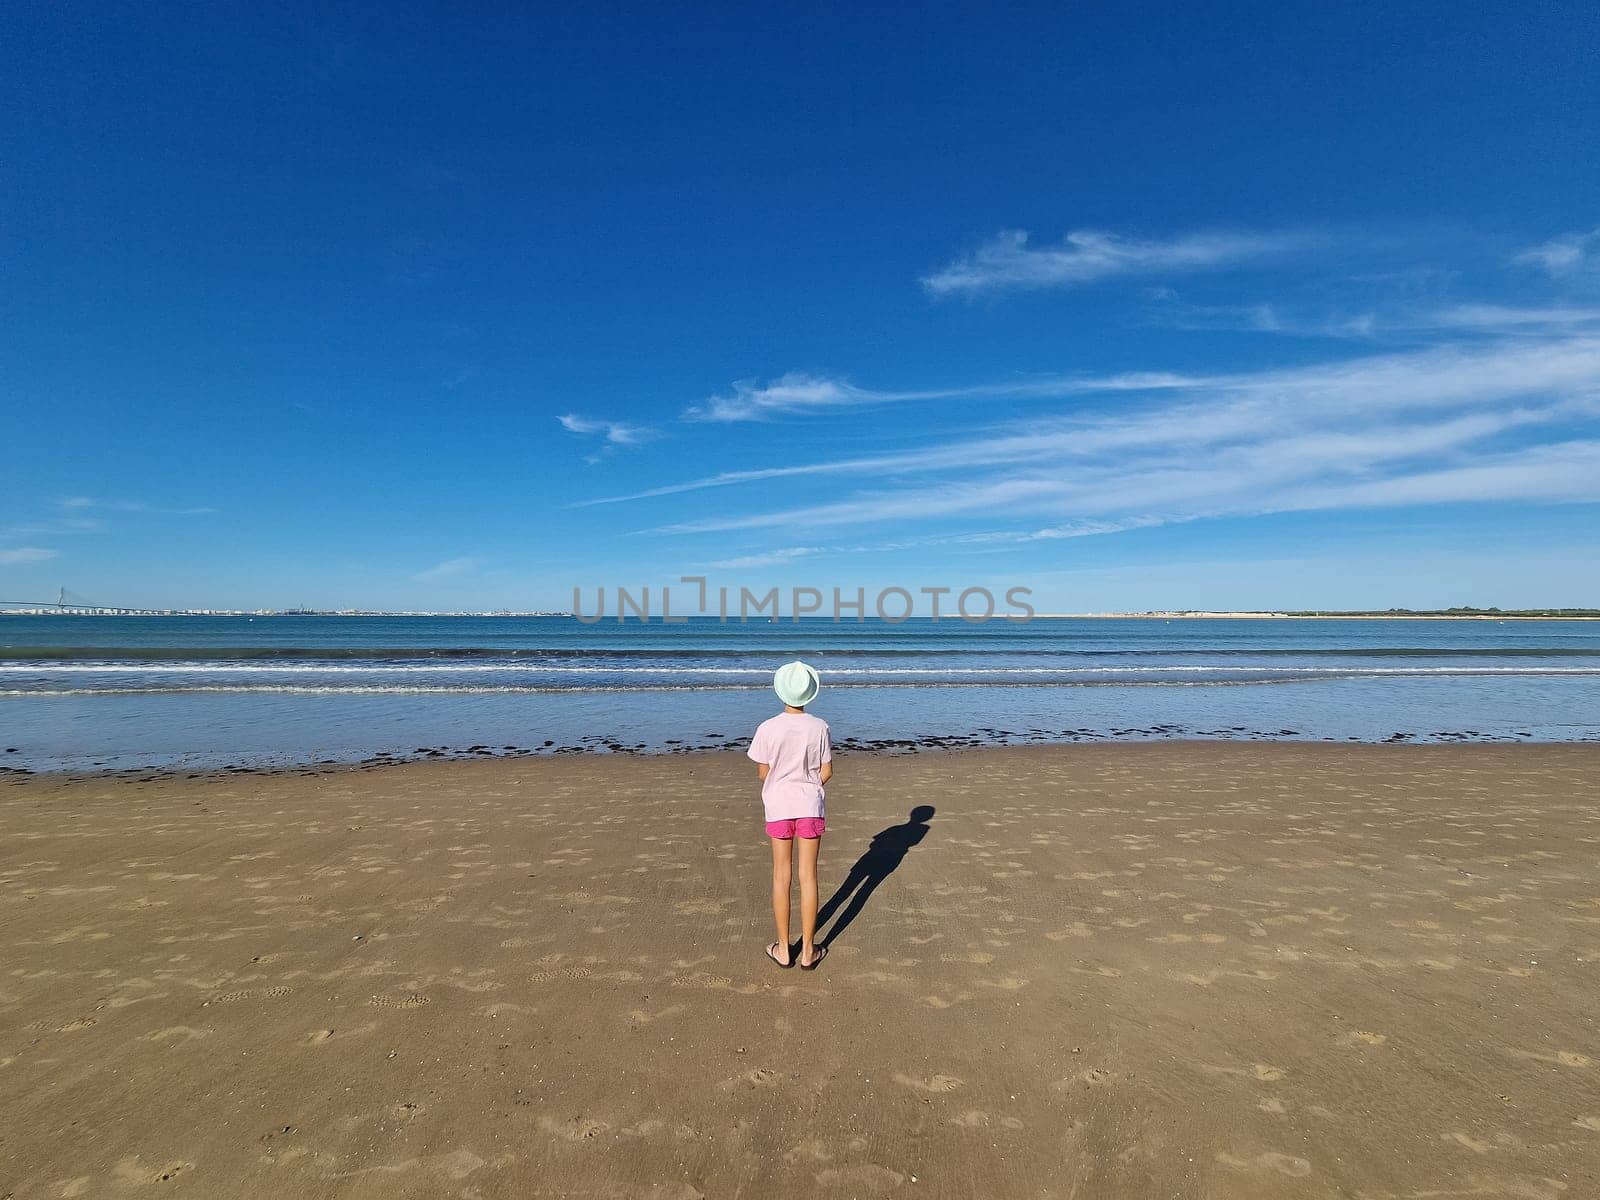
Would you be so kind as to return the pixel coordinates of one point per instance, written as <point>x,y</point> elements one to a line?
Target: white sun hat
<point>797,685</point>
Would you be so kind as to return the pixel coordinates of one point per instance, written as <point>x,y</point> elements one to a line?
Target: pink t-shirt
<point>794,746</point>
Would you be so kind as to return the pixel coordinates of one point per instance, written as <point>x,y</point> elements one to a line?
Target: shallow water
<point>82,693</point>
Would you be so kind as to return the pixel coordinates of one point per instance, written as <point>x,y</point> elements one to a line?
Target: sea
<point>86,694</point>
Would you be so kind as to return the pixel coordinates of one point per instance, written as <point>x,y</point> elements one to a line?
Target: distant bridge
<point>67,602</point>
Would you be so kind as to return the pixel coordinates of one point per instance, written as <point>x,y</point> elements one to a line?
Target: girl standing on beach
<point>795,760</point>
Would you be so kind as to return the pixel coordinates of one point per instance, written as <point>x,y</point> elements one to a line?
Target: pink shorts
<point>806,827</point>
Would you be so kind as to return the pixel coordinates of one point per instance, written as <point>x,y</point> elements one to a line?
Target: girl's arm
<point>761,771</point>
<point>825,774</point>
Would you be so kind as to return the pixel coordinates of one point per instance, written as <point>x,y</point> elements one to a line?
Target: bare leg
<point>808,897</point>
<point>781,879</point>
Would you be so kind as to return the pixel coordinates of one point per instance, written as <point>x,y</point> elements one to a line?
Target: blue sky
<point>1139,306</point>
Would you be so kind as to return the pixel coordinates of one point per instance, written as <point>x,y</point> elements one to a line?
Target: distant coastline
<point>1393,614</point>
<point>85,611</point>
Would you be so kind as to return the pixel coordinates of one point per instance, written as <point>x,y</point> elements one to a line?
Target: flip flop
<point>822,953</point>
<point>784,965</point>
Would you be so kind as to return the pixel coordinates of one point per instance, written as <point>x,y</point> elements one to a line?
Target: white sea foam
<point>181,668</point>
<point>1063,679</point>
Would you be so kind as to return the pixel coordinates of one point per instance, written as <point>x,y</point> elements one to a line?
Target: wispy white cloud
<point>616,433</point>
<point>86,503</point>
<point>1009,261</point>
<point>1564,256</point>
<point>1056,533</point>
<point>18,556</point>
<point>1393,323</point>
<point>449,569</point>
<point>1242,483</point>
<point>797,392</point>
<point>767,558</point>
<point>53,526</point>
<point>1562,472</point>
<point>1205,411</point>
<point>751,400</point>
<point>1503,319</point>
<point>1007,537</point>
<point>1335,434</point>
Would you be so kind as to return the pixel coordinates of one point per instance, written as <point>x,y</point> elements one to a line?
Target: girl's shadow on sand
<point>889,848</point>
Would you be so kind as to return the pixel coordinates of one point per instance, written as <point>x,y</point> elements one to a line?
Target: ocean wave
<point>1015,645</point>
<point>403,689</point>
<point>833,673</point>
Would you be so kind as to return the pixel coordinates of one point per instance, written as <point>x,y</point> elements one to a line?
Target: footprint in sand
<point>639,1017</point>
<point>573,1129</point>
<point>504,1008</point>
<point>1284,1164</point>
<point>672,1191</point>
<point>1262,1072</point>
<point>413,1000</point>
<point>716,983</point>
<point>318,1036</point>
<point>455,1165</point>
<point>476,987</point>
<point>1590,1123</point>
<point>866,1179</point>
<point>810,1150</point>
<point>130,1171</point>
<point>701,908</point>
<point>185,1033</point>
<point>881,977</point>
<point>1366,1037</point>
<point>976,1118</point>
<point>1560,1058</point>
<point>1076,930</point>
<point>758,1077</point>
<point>273,993</point>
<point>1468,1142</point>
<point>129,1001</point>
<point>935,1085</point>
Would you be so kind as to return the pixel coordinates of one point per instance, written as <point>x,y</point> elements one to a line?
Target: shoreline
<point>734,752</point>
<point>1113,970</point>
<point>851,748</point>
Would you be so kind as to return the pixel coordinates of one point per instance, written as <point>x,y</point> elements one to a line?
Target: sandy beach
<point>1120,970</point>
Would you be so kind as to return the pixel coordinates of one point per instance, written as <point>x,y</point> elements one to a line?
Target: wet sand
<point>1164,970</point>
